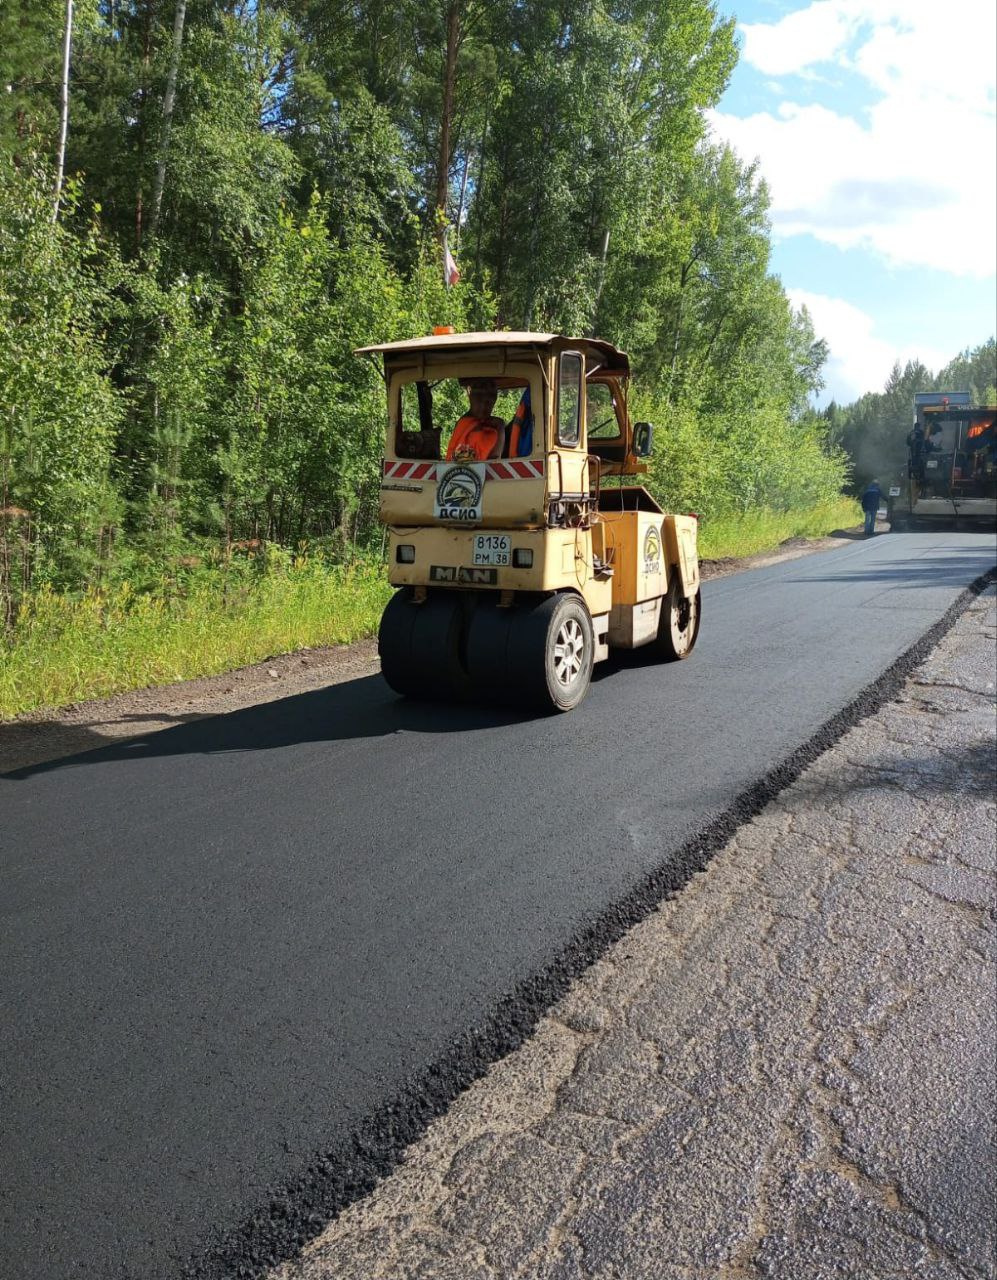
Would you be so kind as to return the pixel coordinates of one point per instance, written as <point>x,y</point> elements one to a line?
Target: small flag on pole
<point>451,272</point>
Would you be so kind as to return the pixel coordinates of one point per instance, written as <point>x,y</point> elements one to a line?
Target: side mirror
<point>642,439</point>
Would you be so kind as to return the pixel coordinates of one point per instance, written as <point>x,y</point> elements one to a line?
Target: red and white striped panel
<point>513,469</point>
<point>409,470</point>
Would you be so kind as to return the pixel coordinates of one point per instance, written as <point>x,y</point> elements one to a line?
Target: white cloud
<point>914,176</point>
<point>815,34</point>
<point>859,360</point>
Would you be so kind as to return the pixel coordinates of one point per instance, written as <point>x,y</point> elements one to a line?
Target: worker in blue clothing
<point>871,498</point>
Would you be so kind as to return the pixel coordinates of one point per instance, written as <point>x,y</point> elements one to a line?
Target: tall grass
<point>763,529</point>
<point>66,649</point>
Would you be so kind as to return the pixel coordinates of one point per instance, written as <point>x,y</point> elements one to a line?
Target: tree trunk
<point>479,188</point>
<point>64,123</point>
<point>179,14</point>
<point>677,343</point>
<point>602,280</point>
<point>446,116</point>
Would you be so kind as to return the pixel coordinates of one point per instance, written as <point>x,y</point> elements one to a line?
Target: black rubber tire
<point>420,646</point>
<point>676,641</point>
<point>534,658</point>
<point>511,652</point>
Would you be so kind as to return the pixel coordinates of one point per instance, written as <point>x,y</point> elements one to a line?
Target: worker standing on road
<point>871,498</point>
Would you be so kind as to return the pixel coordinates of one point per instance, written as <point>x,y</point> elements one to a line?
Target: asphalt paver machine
<point>951,473</point>
<point>521,548</point>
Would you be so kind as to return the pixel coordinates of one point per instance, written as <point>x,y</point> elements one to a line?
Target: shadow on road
<point>847,535</point>
<point>361,708</point>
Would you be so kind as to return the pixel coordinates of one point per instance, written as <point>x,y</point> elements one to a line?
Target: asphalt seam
<point>296,1212</point>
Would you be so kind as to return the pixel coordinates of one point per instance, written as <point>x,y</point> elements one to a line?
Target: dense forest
<point>205,205</point>
<point>873,429</point>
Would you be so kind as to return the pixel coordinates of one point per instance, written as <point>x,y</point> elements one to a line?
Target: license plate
<point>490,548</point>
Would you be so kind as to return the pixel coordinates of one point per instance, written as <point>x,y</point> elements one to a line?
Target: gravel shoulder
<point>786,1071</point>
<point>51,734</point>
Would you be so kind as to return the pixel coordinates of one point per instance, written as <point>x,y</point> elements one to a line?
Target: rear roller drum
<point>488,635</point>
<point>420,646</point>
<point>678,628</point>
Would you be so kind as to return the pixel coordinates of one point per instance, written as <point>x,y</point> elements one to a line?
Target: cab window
<point>600,412</point>
<point>428,412</point>
<point>569,400</point>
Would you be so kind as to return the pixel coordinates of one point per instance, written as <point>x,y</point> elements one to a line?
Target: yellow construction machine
<point>520,548</point>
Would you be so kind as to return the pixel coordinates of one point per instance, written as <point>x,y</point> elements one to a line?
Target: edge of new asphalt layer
<point>297,1211</point>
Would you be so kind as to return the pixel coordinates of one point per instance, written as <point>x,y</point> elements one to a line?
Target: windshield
<point>465,419</point>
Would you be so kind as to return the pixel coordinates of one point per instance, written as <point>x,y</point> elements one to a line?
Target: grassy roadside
<point>69,648</point>
<point>763,530</point>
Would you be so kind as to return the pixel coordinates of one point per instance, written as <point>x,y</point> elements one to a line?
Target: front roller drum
<point>540,655</point>
<point>420,646</point>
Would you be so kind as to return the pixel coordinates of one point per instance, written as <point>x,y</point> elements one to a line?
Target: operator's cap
<point>479,384</point>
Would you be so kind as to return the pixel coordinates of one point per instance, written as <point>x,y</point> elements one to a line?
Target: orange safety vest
<point>472,440</point>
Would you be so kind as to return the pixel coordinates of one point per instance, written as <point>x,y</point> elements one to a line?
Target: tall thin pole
<point>67,45</point>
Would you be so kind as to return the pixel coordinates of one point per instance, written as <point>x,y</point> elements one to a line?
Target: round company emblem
<point>652,550</point>
<point>459,488</point>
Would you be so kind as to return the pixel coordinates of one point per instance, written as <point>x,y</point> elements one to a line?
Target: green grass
<point>67,649</point>
<point>763,530</point>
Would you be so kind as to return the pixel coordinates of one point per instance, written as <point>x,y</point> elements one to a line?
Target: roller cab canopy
<point>550,362</point>
<point>600,356</point>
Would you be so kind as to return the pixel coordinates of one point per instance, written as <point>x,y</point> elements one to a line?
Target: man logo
<point>458,494</point>
<point>652,550</point>
<point>473,577</point>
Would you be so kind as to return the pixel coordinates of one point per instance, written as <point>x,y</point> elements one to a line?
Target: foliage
<point>729,464</point>
<point>973,370</point>
<point>176,388</point>
<point>762,529</point>
<point>59,414</point>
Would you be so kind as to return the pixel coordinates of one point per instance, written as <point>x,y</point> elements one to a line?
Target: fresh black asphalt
<point>223,945</point>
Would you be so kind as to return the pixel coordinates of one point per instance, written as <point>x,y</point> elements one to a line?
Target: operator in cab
<point>478,435</point>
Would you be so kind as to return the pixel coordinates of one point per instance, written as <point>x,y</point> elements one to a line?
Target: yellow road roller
<point>521,547</point>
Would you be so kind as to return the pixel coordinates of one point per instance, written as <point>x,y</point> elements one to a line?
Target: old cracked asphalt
<point>786,1071</point>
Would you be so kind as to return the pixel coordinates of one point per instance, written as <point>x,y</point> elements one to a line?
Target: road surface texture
<point>787,1071</point>
<point>243,961</point>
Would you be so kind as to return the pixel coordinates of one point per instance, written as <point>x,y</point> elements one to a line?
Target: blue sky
<point>874,125</point>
